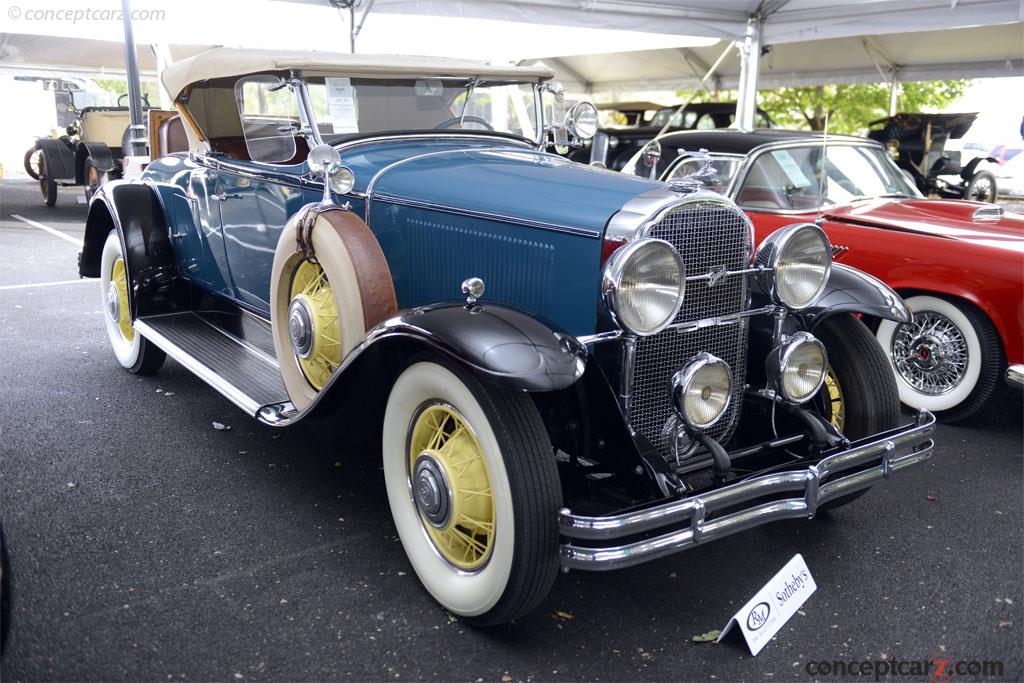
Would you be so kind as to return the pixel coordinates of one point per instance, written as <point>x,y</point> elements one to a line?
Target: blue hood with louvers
<point>503,179</point>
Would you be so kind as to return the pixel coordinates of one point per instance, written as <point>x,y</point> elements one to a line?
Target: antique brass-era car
<point>568,367</point>
<point>92,150</point>
<point>917,142</point>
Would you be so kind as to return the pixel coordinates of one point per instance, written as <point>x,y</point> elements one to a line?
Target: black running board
<point>239,370</point>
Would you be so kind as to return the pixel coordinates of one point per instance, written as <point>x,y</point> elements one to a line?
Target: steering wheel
<point>145,100</point>
<point>448,123</point>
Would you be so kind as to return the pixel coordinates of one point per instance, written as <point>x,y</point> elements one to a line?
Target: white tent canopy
<point>785,21</point>
<point>982,52</point>
<point>782,26</point>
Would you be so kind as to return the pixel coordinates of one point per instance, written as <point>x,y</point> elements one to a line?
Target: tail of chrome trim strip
<point>1015,376</point>
<point>908,447</point>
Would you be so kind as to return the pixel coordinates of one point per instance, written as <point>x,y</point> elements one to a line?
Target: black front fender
<point>134,210</point>
<point>850,290</point>
<point>102,159</point>
<point>505,346</point>
<point>967,172</point>
<point>60,158</point>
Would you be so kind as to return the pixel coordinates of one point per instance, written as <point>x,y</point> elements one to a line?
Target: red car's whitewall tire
<point>516,559</point>
<point>947,361</point>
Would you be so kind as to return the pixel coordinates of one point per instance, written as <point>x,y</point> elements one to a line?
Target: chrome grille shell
<point>713,236</point>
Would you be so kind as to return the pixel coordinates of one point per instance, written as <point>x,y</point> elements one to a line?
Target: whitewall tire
<point>947,361</point>
<point>131,349</point>
<point>511,559</point>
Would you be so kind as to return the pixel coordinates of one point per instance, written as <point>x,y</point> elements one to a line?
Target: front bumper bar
<point>693,518</point>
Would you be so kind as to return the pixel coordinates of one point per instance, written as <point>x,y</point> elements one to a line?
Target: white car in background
<point>1010,177</point>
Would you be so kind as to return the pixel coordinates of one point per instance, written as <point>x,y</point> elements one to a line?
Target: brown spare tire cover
<point>355,266</point>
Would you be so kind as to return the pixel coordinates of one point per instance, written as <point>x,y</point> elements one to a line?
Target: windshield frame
<point>741,177</point>
<point>312,130</point>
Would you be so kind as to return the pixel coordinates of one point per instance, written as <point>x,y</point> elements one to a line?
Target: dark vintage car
<point>613,145</point>
<point>567,367</point>
<point>917,142</point>
<point>91,151</point>
<point>957,262</point>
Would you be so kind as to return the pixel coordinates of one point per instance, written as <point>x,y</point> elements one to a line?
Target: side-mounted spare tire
<point>323,303</point>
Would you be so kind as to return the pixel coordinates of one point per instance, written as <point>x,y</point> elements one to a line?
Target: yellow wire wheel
<point>451,486</point>
<point>835,399</point>
<point>314,323</point>
<point>121,314</point>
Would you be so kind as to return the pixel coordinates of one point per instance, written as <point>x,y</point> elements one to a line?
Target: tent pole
<point>357,26</point>
<point>894,92</point>
<point>137,139</point>
<point>750,63</point>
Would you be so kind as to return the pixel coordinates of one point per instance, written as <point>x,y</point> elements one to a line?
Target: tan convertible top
<point>223,61</point>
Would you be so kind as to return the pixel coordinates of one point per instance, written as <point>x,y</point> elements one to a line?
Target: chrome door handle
<point>225,196</point>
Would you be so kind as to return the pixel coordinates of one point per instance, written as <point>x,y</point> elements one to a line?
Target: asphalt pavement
<point>144,544</point>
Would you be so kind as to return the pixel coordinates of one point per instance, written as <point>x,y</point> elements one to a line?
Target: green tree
<point>120,87</point>
<point>849,108</point>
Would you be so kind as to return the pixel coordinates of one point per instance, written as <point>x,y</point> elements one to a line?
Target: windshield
<point>791,178</point>
<point>345,107</point>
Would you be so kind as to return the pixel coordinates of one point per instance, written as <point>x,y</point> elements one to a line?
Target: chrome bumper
<point>897,450</point>
<point>1015,376</point>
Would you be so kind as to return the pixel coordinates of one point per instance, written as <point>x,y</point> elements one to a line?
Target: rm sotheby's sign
<point>781,597</point>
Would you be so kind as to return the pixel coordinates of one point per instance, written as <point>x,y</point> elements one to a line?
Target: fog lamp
<point>701,391</point>
<point>796,368</point>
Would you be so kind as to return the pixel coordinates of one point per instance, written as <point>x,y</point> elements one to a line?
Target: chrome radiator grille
<point>709,236</point>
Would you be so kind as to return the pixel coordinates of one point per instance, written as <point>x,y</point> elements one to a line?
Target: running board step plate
<point>243,374</point>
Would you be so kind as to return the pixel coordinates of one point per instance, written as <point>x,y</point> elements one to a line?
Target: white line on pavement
<point>47,284</point>
<point>47,228</point>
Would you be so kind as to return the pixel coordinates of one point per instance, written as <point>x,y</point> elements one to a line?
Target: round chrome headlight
<point>800,256</point>
<point>701,391</point>
<point>581,120</point>
<point>796,368</point>
<point>643,285</point>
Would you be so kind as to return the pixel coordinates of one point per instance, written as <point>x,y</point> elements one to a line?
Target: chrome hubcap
<point>431,492</point>
<point>300,328</point>
<point>113,303</point>
<point>930,353</point>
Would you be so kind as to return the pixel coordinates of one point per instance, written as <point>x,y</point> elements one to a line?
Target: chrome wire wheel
<point>117,301</point>
<point>451,486</point>
<point>930,353</point>
<point>313,324</point>
<point>833,394</point>
<point>473,490</point>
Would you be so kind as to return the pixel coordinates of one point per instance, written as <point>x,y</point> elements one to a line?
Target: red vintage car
<point>958,264</point>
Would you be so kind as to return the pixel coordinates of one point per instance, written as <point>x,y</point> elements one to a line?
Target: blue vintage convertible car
<point>567,367</point>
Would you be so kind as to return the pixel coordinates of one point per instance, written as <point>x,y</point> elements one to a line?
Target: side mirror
<point>320,158</point>
<point>581,120</point>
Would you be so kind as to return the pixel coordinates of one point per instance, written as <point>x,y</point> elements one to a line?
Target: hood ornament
<point>704,175</point>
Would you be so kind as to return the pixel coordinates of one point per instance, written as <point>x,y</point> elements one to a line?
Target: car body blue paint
<point>443,208</point>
